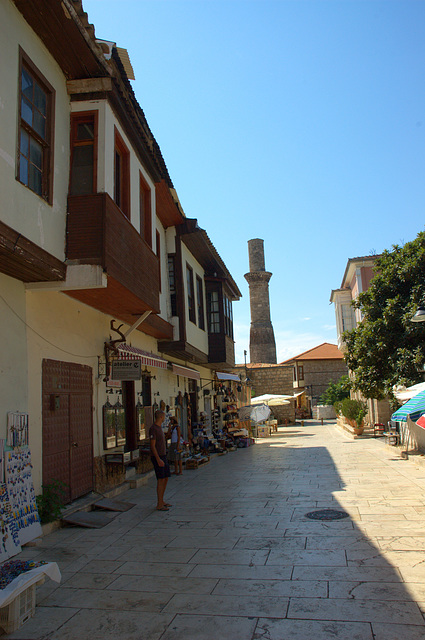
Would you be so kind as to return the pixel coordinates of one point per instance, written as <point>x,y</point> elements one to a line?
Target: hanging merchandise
<point>17,429</point>
<point>10,545</point>
<point>21,494</point>
<point>2,460</point>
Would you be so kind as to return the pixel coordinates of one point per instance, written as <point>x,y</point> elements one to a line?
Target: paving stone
<point>158,555</point>
<point>355,610</point>
<point>270,542</point>
<point>242,572</point>
<point>377,590</point>
<point>308,558</point>
<point>288,588</point>
<point>163,584</point>
<point>107,599</point>
<point>234,557</point>
<point>307,630</point>
<point>82,580</point>
<point>249,606</point>
<point>154,569</point>
<point>110,625</point>
<point>398,632</point>
<point>185,627</point>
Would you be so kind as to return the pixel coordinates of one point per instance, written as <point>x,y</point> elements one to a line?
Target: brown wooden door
<point>68,426</point>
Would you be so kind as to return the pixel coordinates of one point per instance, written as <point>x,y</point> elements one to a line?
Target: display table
<point>18,595</point>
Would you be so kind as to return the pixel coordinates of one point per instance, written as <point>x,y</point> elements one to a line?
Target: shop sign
<point>126,369</point>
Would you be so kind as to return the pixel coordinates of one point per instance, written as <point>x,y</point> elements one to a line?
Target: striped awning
<point>127,352</point>
<point>186,372</point>
<point>413,408</point>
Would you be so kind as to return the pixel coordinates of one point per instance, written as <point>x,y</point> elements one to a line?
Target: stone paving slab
<point>397,631</point>
<point>246,572</point>
<point>288,588</point>
<point>111,625</point>
<point>107,599</point>
<point>274,629</point>
<point>154,569</point>
<point>205,627</point>
<point>355,610</point>
<point>249,606</point>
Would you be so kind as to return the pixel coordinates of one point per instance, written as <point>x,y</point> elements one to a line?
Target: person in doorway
<point>159,459</point>
<point>175,450</point>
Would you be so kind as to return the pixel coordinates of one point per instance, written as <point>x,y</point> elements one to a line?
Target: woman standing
<point>175,450</point>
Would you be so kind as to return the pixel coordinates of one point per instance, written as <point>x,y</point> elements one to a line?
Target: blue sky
<point>302,123</point>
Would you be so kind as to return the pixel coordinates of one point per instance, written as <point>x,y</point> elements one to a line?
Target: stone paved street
<point>235,557</point>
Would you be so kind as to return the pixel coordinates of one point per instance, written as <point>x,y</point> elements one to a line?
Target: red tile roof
<point>325,351</point>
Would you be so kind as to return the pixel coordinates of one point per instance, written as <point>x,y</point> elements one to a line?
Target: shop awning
<point>127,352</point>
<point>298,393</point>
<point>186,372</point>
<point>228,376</point>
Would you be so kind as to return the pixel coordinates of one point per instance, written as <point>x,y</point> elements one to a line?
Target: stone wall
<point>318,374</point>
<point>274,379</point>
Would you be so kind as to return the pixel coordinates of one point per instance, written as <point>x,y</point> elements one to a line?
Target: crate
<point>15,614</point>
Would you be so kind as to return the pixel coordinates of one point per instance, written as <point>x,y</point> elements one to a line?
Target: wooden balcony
<point>221,350</point>
<point>99,233</point>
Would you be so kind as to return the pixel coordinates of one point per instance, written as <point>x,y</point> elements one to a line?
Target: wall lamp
<point>420,313</point>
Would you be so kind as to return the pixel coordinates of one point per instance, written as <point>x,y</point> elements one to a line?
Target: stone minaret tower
<point>262,345</point>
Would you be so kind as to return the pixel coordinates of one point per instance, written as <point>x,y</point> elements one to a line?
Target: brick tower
<point>262,345</point>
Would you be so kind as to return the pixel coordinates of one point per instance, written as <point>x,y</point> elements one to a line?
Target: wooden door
<point>68,426</point>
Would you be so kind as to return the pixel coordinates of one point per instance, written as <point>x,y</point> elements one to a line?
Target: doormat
<point>90,519</point>
<point>326,514</point>
<point>113,505</point>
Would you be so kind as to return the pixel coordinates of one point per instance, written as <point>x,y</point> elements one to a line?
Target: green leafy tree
<point>336,391</point>
<point>387,348</point>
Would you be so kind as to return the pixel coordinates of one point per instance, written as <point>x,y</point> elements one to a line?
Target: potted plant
<point>354,412</point>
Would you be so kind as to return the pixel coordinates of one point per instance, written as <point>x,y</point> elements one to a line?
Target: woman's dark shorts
<point>161,472</point>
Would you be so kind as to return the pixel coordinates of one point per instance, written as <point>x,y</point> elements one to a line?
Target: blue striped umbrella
<point>413,408</point>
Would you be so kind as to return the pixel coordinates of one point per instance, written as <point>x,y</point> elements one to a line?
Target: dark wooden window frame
<point>200,302</point>
<point>121,174</point>
<point>214,312</point>
<point>158,255</point>
<point>145,209</point>
<point>228,316</point>
<point>84,117</point>
<point>172,282</point>
<point>190,294</point>
<point>47,143</point>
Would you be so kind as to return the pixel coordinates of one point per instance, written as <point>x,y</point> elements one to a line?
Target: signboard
<point>126,369</point>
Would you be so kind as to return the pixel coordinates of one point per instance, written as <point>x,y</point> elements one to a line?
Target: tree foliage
<point>387,348</point>
<point>336,391</point>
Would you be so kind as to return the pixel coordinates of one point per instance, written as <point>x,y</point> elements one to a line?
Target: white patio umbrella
<point>402,394</point>
<point>271,400</point>
<point>257,413</point>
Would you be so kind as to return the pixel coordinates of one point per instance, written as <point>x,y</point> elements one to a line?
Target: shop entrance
<point>67,416</point>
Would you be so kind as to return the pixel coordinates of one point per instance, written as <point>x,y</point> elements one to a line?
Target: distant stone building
<point>262,345</point>
<point>312,371</point>
<point>274,379</point>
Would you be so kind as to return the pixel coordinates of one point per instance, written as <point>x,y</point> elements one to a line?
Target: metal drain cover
<point>326,514</point>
